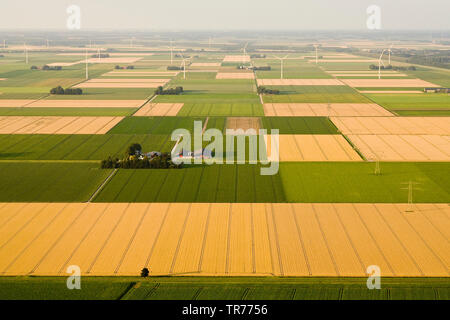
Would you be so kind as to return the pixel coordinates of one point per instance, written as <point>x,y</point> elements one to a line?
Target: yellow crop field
<point>57,125</point>
<point>216,252</point>
<point>191,246</point>
<point>239,239</point>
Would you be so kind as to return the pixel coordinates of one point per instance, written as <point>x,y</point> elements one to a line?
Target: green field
<point>300,125</point>
<point>49,182</point>
<point>77,147</point>
<point>337,182</point>
<point>221,109</point>
<point>292,69</point>
<point>196,97</point>
<point>420,104</point>
<point>218,288</point>
<point>216,183</point>
<point>154,125</point>
<point>315,94</point>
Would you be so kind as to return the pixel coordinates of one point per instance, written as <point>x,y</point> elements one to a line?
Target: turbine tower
<point>390,50</point>
<point>317,57</point>
<point>245,53</point>
<point>380,62</point>
<point>281,61</point>
<point>184,65</point>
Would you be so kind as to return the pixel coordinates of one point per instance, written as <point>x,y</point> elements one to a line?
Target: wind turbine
<point>317,57</point>
<point>184,65</point>
<point>245,53</point>
<point>380,62</point>
<point>4,44</point>
<point>131,42</point>
<point>390,50</point>
<point>281,61</point>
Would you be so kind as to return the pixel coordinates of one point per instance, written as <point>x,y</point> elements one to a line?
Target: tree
<point>145,272</point>
<point>133,149</point>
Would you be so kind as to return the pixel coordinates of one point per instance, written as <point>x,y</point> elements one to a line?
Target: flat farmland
<point>222,288</point>
<point>56,125</point>
<point>216,98</point>
<point>414,104</point>
<point>303,147</point>
<point>44,181</point>
<point>78,147</point>
<point>356,182</point>
<point>216,183</point>
<point>315,94</point>
<point>303,239</point>
<point>88,112</point>
<point>155,125</point>
<point>108,94</point>
<point>403,147</point>
<point>393,125</point>
<point>204,83</point>
<point>221,109</point>
<point>292,69</point>
<point>324,109</point>
<point>299,125</point>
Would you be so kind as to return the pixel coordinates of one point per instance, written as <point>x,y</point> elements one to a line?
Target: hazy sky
<point>225,14</point>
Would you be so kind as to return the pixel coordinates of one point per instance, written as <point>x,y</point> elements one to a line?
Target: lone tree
<point>134,149</point>
<point>144,273</point>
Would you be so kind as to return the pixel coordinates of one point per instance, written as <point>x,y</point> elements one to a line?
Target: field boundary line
<point>320,147</point>
<point>227,260</point>
<point>299,234</point>
<point>102,185</point>
<point>349,239</point>
<point>342,147</point>
<point>157,235</point>
<point>148,100</point>
<point>77,146</point>
<point>268,238</point>
<point>152,290</point>
<point>424,242</point>
<point>127,289</point>
<point>325,241</point>
<point>431,222</point>
<point>180,239</point>
<point>132,238</point>
<point>350,142</point>
<point>24,225</point>
<point>83,238</point>
<point>14,215</point>
<point>253,239</point>
<point>107,239</point>
<point>205,235</point>
<point>280,261</point>
<point>398,239</point>
<point>400,136</point>
<point>374,240</point>
<point>38,99</point>
<point>83,210</point>
<point>35,238</point>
